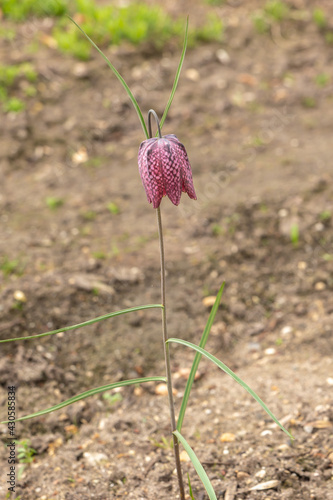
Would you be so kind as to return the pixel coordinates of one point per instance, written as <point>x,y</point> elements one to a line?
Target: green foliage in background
<point>276,10</point>
<point>109,24</point>
<point>11,266</point>
<point>319,18</point>
<point>272,12</point>
<point>18,10</point>
<point>10,76</point>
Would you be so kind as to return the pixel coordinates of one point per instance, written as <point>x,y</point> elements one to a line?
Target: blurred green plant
<point>319,18</point>
<point>273,11</point>
<point>277,10</point>
<point>164,443</point>
<point>110,24</point>
<point>211,31</point>
<point>11,266</point>
<point>322,79</point>
<point>215,3</point>
<point>10,75</point>
<point>217,229</point>
<point>190,491</point>
<point>25,455</point>
<point>309,102</point>
<point>294,234</point>
<point>329,37</point>
<point>19,10</point>
<point>113,208</point>
<point>136,23</point>
<point>325,215</point>
<point>13,105</point>
<point>7,33</point>
<point>89,215</point>
<point>260,23</point>
<point>112,398</point>
<point>99,254</point>
<point>53,202</point>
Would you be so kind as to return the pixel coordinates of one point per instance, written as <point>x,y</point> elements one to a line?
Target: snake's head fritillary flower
<point>165,169</point>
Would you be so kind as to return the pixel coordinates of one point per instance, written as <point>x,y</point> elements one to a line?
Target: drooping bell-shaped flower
<point>165,169</point>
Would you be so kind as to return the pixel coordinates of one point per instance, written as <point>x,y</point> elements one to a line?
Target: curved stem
<point>152,112</point>
<point>164,330</point>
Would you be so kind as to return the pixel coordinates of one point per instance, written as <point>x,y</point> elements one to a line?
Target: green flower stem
<point>167,360</point>
<point>166,346</point>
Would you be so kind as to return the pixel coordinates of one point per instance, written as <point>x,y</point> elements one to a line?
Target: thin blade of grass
<point>87,394</point>
<point>197,358</point>
<point>234,376</point>
<point>197,465</point>
<point>190,487</point>
<point>86,323</point>
<point>120,78</point>
<point>175,83</point>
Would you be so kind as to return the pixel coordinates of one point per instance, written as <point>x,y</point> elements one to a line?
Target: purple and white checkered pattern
<point>165,170</point>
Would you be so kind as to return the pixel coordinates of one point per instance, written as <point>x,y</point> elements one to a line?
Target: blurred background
<point>78,238</point>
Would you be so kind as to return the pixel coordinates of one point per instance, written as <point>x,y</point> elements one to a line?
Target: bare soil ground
<point>258,131</point>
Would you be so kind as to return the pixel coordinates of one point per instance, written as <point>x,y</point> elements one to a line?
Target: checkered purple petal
<point>165,169</point>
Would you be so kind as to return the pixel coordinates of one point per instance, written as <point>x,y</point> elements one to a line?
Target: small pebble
<point>266,486</point>
<point>270,351</point>
<point>242,475</point>
<point>162,390</point>
<point>286,330</point>
<point>80,156</point>
<point>283,212</point>
<point>319,226</point>
<point>227,437</point>
<point>266,433</point>
<point>209,301</point>
<point>192,74</point>
<point>261,474</point>
<point>184,456</point>
<point>20,296</point>
<point>94,459</point>
<point>80,70</point>
<point>138,391</point>
<point>223,56</point>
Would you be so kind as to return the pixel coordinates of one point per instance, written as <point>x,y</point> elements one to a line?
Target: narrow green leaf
<point>197,358</point>
<point>87,394</point>
<point>120,78</point>
<point>175,83</point>
<point>86,323</point>
<point>234,376</point>
<point>190,487</point>
<point>197,465</point>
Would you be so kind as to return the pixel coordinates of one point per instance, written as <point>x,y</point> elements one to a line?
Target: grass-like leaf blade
<point>175,83</point>
<point>197,358</point>
<point>197,465</point>
<point>234,376</point>
<point>190,487</point>
<point>120,78</point>
<point>87,394</point>
<point>86,323</point>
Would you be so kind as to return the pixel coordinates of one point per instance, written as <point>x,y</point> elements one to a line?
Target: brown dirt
<point>257,129</point>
